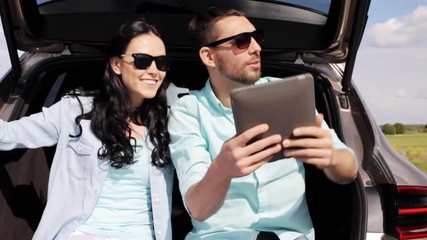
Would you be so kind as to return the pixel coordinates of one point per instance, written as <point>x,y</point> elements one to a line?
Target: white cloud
<point>401,93</point>
<point>401,31</point>
<point>382,75</point>
<point>421,94</point>
<point>404,110</point>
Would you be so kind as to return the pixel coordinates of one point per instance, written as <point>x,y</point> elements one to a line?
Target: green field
<point>411,146</point>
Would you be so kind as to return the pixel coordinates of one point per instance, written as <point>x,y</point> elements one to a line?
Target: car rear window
<point>318,5</point>
<point>292,10</point>
<point>305,25</point>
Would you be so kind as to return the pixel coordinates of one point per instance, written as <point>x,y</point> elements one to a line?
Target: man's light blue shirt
<point>270,199</point>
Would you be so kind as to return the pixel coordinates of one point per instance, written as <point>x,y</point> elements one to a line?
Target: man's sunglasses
<point>143,61</point>
<point>243,40</point>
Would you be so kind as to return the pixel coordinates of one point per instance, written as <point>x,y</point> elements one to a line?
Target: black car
<point>63,44</point>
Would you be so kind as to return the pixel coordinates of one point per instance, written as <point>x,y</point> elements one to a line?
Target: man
<point>230,189</point>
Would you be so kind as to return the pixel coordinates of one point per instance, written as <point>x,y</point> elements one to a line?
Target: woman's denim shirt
<point>77,175</point>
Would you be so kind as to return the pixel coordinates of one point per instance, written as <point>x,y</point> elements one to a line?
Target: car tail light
<point>411,212</point>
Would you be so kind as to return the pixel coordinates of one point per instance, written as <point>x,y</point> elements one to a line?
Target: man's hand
<point>312,145</point>
<point>238,159</point>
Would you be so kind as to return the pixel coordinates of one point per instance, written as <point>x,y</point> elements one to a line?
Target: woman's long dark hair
<point>112,109</point>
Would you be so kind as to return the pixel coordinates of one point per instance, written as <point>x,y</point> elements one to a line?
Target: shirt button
<point>159,232</point>
<point>157,200</point>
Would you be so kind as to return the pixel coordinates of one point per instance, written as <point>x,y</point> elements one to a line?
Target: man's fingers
<point>319,120</point>
<point>308,153</point>
<point>321,158</point>
<point>267,152</point>
<point>310,132</point>
<point>258,159</point>
<point>314,143</point>
<point>249,134</point>
<point>263,144</point>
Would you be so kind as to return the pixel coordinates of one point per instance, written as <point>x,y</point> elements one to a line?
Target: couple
<point>111,176</point>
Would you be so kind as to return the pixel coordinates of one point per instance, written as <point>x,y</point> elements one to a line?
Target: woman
<point>111,176</point>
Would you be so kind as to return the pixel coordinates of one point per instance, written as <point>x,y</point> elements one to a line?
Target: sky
<point>391,65</point>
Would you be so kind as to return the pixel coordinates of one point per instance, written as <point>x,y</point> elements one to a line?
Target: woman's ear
<point>207,56</point>
<point>115,64</point>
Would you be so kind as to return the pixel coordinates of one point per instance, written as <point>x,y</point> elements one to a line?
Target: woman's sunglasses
<point>243,40</point>
<point>143,61</point>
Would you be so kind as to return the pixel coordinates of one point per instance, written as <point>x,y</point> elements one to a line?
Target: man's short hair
<point>201,26</point>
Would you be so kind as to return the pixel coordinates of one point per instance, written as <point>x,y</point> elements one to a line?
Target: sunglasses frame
<point>257,35</point>
<point>160,67</point>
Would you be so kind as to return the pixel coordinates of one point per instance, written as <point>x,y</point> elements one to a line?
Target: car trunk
<point>79,28</point>
<point>24,177</point>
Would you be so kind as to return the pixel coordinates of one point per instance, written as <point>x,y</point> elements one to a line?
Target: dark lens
<point>142,61</point>
<point>163,63</point>
<point>243,40</point>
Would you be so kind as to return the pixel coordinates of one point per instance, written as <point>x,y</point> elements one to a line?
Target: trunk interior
<point>335,209</point>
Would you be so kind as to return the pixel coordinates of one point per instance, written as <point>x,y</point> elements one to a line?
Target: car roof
<point>313,31</point>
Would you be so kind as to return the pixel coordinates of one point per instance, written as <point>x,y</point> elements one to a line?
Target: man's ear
<point>115,64</point>
<point>207,56</point>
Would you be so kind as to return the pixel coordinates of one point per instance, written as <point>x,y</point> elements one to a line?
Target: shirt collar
<point>212,99</point>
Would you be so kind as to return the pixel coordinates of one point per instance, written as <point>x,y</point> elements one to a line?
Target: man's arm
<point>236,159</point>
<point>343,168</point>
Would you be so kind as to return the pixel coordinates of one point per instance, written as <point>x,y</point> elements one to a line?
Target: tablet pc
<point>283,104</point>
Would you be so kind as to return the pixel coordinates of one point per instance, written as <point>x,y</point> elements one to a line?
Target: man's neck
<point>222,88</point>
<point>222,92</point>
